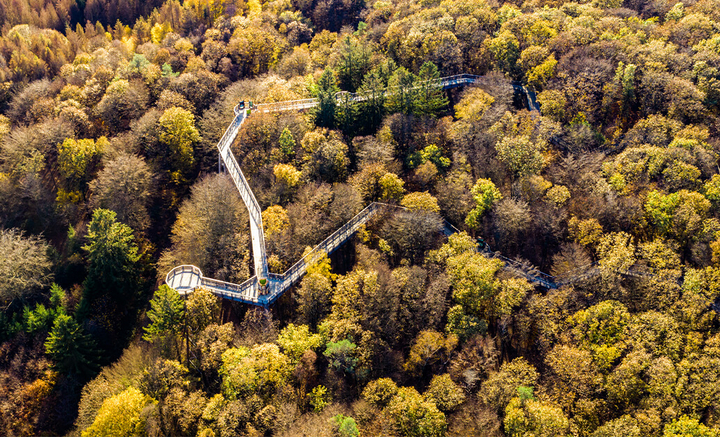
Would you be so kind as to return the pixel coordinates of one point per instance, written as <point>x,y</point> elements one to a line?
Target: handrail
<point>358,220</point>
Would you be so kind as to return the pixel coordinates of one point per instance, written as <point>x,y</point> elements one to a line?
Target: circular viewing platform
<point>184,279</point>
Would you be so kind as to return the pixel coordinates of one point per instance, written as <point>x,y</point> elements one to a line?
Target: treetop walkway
<point>264,288</point>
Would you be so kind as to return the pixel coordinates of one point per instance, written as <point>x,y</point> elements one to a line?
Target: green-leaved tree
<point>324,112</point>
<point>166,316</point>
<point>70,348</point>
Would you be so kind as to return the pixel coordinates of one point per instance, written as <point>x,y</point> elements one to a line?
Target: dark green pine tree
<point>372,105</point>
<point>112,288</point>
<point>326,89</point>
<point>346,114</point>
<point>402,92</point>
<point>431,98</point>
<point>287,143</point>
<point>112,254</point>
<point>373,93</point>
<point>71,349</point>
<point>354,63</point>
<point>167,313</point>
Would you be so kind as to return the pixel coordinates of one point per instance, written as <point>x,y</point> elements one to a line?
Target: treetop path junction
<point>265,288</point>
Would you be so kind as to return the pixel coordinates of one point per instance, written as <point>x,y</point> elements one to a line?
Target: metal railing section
<point>243,187</point>
<point>279,283</point>
<point>232,130</point>
<point>246,290</point>
<point>328,245</point>
<point>179,270</point>
<point>286,106</point>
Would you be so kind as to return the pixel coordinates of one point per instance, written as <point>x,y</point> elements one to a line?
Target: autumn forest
<point>110,113</point>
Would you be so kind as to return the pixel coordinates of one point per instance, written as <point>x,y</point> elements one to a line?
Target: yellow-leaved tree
<point>178,133</point>
<point>473,105</point>
<point>120,415</point>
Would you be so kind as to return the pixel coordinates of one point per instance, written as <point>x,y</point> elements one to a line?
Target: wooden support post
<point>187,336</point>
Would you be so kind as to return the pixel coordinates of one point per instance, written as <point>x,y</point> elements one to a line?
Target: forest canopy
<point>548,264</point>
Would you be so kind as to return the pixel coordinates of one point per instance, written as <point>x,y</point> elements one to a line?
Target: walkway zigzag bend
<point>265,288</point>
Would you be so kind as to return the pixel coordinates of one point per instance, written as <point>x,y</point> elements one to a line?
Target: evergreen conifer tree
<point>431,97</point>
<point>71,349</point>
<point>327,106</point>
<point>166,314</point>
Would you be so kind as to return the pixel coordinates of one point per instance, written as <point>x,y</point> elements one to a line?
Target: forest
<point>110,112</point>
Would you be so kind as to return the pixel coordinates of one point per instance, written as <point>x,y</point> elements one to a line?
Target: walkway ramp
<point>256,230</point>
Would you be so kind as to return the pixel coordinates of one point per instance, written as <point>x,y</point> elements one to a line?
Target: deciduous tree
<point>120,415</point>
<point>124,186</point>
<point>295,340</point>
<point>533,417</point>
<point>25,267</point>
<point>412,416</point>
<point>78,160</point>
<point>211,232</point>
<point>521,155</point>
<point>178,133</point>
<point>502,385</point>
<point>428,349</point>
<point>260,370</point>
<point>444,393</point>
<point>123,102</point>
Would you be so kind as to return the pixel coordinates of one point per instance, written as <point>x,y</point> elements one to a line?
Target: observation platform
<point>184,279</point>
